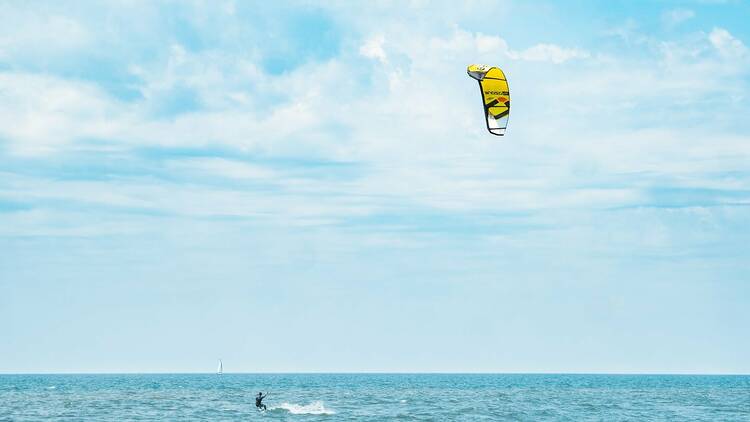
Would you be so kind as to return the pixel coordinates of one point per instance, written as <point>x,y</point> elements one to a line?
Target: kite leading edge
<point>495,96</point>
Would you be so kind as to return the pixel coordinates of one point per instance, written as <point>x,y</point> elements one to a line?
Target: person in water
<point>258,401</point>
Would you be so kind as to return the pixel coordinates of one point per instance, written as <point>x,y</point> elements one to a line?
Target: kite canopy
<point>495,96</point>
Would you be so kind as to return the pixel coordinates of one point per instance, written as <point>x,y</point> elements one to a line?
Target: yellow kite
<point>495,96</point>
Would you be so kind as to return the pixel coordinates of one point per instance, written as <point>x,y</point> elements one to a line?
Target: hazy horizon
<point>718,374</point>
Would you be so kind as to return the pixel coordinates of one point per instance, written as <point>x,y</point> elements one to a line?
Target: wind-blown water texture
<point>374,397</point>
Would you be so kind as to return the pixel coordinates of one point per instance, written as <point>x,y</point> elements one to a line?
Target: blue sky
<point>310,187</point>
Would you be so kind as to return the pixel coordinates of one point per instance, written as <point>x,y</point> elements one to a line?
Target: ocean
<point>375,397</point>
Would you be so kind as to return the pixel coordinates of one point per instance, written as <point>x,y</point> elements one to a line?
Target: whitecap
<point>314,408</point>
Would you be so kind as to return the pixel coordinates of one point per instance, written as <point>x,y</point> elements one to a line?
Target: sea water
<point>375,397</point>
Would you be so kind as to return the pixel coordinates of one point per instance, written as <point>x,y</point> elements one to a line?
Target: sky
<point>310,187</point>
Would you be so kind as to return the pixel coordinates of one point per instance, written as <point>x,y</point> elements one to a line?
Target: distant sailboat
<point>220,369</point>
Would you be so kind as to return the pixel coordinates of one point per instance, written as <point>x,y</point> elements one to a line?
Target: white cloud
<point>726,44</point>
<point>39,113</point>
<point>488,44</point>
<point>675,17</point>
<point>550,53</point>
<point>232,169</point>
<point>495,47</point>
<point>373,49</point>
<point>24,32</point>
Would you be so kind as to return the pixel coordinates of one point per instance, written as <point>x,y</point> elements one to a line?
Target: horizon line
<point>387,373</point>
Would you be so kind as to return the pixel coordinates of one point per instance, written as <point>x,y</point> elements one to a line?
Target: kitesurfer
<point>258,401</point>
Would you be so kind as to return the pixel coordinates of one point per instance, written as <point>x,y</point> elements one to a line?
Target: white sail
<point>220,369</point>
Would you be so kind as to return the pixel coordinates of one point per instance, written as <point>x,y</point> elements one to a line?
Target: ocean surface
<point>375,397</point>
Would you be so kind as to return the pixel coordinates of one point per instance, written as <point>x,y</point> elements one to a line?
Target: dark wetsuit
<point>258,402</point>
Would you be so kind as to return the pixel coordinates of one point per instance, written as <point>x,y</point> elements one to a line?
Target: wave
<point>314,408</point>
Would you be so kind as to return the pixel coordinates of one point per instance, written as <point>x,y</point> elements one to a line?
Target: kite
<point>495,96</point>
